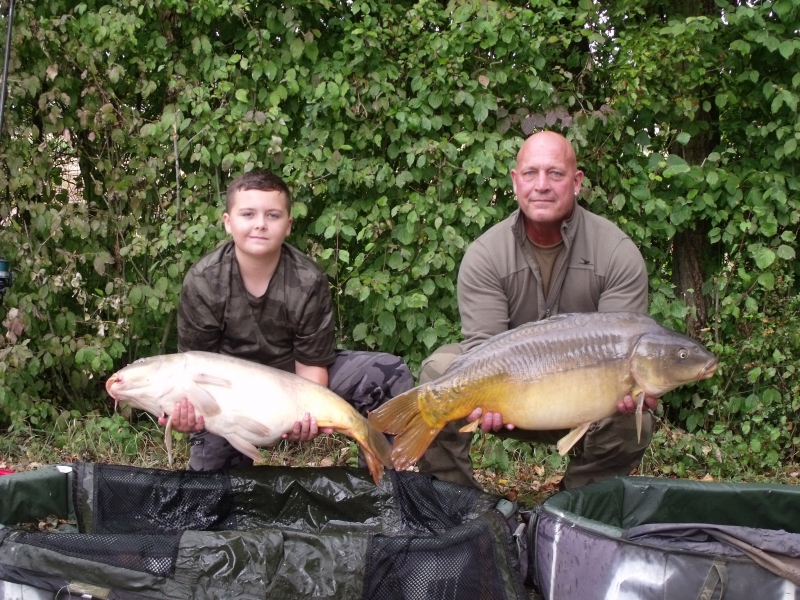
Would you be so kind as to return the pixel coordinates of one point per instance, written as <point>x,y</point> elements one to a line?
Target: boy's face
<point>258,222</point>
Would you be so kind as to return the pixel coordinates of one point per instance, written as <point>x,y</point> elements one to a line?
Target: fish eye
<point>683,353</point>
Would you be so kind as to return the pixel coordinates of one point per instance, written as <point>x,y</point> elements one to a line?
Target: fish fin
<point>245,447</point>
<point>569,440</point>
<point>168,440</point>
<point>470,427</point>
<point>411,443</point>
<point>377,453</point>
<point>256,427</point>
<point>203,401</point>
<point>393,416</point>
<point>203,378</point>
<point>639,405</point>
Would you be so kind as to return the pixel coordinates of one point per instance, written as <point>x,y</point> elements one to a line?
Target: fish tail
<point>395,415</point>
<point>405,417</point>
<point>377,452</point>
<point>411,443</point>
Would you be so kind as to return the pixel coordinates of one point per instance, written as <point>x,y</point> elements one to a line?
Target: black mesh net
<point>460,564</point>
<point>428,505</point>
<point>154,554</point>
<point>153,501</point>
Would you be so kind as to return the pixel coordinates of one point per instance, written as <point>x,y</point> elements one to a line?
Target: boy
<point>258,298</point>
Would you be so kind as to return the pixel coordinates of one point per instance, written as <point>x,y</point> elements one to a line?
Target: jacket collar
<point>569,227</point>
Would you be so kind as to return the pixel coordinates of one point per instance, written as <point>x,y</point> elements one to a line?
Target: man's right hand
<point>492,421</point>
<point>184,419</point>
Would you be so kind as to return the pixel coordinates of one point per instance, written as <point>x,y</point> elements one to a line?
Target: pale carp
<point>565,372</point>
<point>247,403</point>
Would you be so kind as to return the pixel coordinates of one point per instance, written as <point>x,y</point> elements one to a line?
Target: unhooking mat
<point>642,538</point>
<point>264,532</point>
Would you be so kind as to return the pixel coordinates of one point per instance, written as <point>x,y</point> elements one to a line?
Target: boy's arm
<point>316,374</point>
<point>199,327</point>
<point>306,429</point>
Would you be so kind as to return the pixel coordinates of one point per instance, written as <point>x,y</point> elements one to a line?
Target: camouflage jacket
<point>292,321</point>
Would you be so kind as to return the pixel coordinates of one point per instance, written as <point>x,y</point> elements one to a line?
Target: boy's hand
<point>184,419</point>
<point>305,430</point>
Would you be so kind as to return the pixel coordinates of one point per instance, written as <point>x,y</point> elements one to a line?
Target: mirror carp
<point>564,372</point>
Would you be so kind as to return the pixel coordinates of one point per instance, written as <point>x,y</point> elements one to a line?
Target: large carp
<point>247,403</point>
<point>565,372</point>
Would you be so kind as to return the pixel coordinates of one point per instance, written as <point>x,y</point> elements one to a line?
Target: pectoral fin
<point>203,378</point>
<point>168,440</point>
<point>203,401</point>
<point>470,427</point>
<point>639,405</point>
<point>244,447</point>
<point>569,440</point>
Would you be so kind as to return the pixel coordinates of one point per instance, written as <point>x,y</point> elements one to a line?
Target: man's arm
<point>482,301</point>
<point>626,285</point>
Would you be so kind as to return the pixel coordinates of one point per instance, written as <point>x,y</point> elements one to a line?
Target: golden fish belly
<point>558,401</point>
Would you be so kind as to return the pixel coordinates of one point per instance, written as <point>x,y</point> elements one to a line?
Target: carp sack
<point>565,372</point>
<point>247,403</point>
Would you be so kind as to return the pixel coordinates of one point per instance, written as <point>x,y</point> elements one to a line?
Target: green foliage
<point>396,125</point>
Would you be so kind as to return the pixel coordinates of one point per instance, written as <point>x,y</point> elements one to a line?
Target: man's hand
<point>305,430</point>
<point>184,419</point>
<point>628,405</point>
<point>492,421</point>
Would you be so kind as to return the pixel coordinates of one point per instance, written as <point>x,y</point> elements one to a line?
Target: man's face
<point>545,179</point>
<point>258,222</point>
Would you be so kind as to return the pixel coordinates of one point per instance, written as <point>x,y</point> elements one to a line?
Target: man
<point>258,298</point>
<point>550,256</point>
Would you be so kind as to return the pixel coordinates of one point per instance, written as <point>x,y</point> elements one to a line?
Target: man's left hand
<point>628,405</point>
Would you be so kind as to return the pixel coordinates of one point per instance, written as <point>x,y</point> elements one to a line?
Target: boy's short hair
<point>262,180</point>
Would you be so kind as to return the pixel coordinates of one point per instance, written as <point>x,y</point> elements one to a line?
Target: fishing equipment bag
<point>647,538</point>
<point>121,532</point>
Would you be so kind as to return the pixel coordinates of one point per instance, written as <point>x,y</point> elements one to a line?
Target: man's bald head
<point>552,141</point>
<point>546,182</point>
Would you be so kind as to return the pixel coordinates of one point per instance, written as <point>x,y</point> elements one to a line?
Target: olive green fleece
<point>499,282</point>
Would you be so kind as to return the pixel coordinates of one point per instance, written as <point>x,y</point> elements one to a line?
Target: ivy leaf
<point>387,322</point>
<point>767,281</point>
<point>480,112</point>
<point>786,48</point>
<point>429,337</point>
<point>296,48</point>
<point>764,257</point>
<point>359,332</point>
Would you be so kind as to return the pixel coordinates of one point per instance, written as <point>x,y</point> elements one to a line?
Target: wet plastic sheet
<point>265,532</point>
<point>666,539</point>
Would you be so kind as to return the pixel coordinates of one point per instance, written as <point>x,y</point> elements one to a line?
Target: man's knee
<point>437,363</point>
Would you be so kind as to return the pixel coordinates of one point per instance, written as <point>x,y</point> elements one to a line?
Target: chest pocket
<point>581,289</point>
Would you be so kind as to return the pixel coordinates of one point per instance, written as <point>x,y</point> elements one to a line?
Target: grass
<point>525,473</point>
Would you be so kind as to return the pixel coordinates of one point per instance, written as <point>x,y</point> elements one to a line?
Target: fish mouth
<point>708,370</point>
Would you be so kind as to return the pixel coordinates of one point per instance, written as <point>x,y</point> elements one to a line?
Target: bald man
<point>550,256</point>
